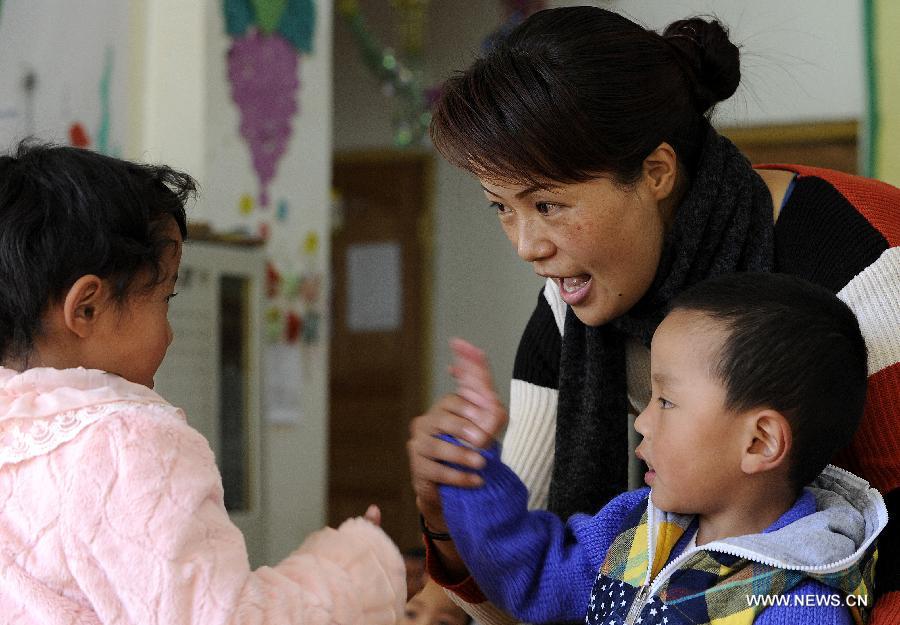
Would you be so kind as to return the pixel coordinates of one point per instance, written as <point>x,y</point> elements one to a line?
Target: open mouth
<point>574,289</point>
<point>650,475</point>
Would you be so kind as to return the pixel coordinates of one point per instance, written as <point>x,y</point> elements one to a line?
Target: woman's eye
<point>665,403</point>
<point>170,297</point>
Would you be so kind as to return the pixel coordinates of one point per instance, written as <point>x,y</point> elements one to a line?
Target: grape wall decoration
<point>268,37</point>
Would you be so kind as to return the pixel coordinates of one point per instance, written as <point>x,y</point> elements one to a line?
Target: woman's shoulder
<point>840,196</point>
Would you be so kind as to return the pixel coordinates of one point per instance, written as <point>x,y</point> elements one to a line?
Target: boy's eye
<point>170,297</point>
<point>497,206</point>
<point>665,403</point>
<point>545,208</point>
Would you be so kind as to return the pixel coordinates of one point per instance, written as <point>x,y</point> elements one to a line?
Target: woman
<point>589,135</point>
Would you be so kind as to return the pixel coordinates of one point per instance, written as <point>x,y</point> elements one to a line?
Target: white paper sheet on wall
<point>282,381</point>
<point>374,287</point>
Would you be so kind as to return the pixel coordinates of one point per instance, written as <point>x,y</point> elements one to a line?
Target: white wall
<point>802,60</point>
<point>65,46</point>
<point>190,121</point>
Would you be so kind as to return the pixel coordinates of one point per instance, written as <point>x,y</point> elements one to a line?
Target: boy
<point>757,380</point>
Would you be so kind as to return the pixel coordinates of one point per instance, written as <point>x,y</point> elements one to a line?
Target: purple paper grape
<point>262,70</point>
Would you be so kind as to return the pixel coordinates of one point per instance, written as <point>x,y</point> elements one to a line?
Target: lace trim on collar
<point>41,436</point>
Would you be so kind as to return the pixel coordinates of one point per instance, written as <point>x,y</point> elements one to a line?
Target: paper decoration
<point>283,380</point>
<point>263,74</point>
<point>311,325</point>
<point>400,78</point>
<point>273,280</point>
<point>245,205</point>
<point>273,325</point>
<point>263,67</point>
<point>78,136</point>
<point>293,326</point>
<point>296,22</point>
<point>103,129</point>
<point>281,213</point>
<point>311,243</point>
<point>311,288</point>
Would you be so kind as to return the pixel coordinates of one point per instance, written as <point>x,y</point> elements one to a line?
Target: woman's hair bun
<point>711,60</point>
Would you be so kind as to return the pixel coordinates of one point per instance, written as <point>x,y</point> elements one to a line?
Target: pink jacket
<point>111,511</point>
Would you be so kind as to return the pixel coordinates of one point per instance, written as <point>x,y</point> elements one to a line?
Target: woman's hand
<point>473,415</point>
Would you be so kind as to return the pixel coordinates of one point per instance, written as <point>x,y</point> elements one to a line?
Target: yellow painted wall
<point>886,51</point>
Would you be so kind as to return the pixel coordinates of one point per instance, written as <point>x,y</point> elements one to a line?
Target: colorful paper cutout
<point>293,326</point>
<point>263,65</point>
<point>311,243</point>
<point>245,204</point>
<point>105,78</point>
<point>268,13</point>
<point>282,212</point>
<point>264,83</point>
<point>311,324</point>
<point>311,288</point>
<point>273,280</point>
<point>273,329</point>
<point>78,136</point>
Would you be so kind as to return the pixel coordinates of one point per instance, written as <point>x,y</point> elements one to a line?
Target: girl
<point>111,506</point>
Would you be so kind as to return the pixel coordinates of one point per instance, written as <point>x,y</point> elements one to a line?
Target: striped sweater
<point>837,230</point>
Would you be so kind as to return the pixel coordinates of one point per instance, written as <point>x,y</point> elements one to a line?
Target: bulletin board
<point>63,72</point>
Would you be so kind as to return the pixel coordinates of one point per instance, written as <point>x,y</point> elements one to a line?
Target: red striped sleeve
<point>875,449</point>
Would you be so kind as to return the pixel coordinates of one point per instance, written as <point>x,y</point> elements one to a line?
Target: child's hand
<point>373,515</point>
<point>475,384</point>
<point>473,415</point>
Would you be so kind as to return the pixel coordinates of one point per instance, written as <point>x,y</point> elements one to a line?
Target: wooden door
<point>379,339</point>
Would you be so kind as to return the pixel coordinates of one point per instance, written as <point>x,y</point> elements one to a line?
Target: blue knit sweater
<point>539,569</point>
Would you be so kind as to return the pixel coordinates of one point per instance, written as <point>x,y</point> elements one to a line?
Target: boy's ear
<point>769,441</point>
<point>83,303</point>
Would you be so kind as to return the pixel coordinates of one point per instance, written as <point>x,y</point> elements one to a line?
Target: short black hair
<point>66,212</point>
<point>792,346</point>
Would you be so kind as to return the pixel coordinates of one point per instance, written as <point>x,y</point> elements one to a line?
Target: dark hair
<point>573,92</point>
<point>792,346</point>
<point>67,212</point>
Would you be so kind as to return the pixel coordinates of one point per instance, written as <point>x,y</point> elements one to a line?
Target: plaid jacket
<point>725,582</point>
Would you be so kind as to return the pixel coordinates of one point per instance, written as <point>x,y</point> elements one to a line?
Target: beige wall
<point>887,51</point>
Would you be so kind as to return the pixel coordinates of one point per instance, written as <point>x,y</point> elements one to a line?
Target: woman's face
<point>598,240</point>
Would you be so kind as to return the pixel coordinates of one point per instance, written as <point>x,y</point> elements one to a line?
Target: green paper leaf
<point>298,24</point>
<point>268,13</point>
<point>238,16</point>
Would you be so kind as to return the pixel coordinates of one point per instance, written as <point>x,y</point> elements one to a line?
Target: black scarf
<point>724,224</point>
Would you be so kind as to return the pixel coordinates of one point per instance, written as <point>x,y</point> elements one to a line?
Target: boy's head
<point>89,249</point>
<point>432,606</point>
<point>752,374</point>
<point>416,576</point>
